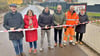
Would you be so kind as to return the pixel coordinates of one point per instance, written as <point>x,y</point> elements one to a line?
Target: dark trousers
<point>77,36</point>
<point>60,35</point>
<point>31,44</point>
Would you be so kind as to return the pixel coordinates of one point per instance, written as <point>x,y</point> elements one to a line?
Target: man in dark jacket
<point>12,21</point>
<point>45,22</point>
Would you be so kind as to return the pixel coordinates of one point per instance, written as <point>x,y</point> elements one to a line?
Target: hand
<point>12,29</point>
<point>46,27</point>
<point>57,24</point>
<point>79,23</point>
<point>52,27</point>
<point>19,30</point>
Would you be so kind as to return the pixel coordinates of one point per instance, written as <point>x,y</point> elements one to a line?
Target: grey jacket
<point>14,20</point>
<point>59,18</point>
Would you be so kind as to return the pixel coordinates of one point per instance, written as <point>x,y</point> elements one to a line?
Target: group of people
<point>13,20</point>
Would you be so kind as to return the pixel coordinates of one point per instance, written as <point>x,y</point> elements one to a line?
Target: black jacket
<point>82,27</point>
<point>45,19</point>
<point>14,20</point>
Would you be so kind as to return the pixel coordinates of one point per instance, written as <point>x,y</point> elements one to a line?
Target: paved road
<point>6,47</point>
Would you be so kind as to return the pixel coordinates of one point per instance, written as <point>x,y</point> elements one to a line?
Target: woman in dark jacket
<point>80,29</point>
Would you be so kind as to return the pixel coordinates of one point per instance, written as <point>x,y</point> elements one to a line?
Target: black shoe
<point>72,43</point>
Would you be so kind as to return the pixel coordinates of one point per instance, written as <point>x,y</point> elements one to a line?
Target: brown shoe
<point>23,54</point>
<point>55,45</point>
<point>60,45</point>
<point>81,43</point>
<point>76,42</point>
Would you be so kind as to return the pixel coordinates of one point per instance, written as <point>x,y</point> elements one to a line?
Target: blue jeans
<point>18,45</point>
<point>31,44</point>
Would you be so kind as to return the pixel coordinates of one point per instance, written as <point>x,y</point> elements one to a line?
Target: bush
<point>3,8</point>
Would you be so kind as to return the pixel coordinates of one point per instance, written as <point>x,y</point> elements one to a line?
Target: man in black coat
<point>45,22</point>
<point>12,21</point>
<point>80,29</point>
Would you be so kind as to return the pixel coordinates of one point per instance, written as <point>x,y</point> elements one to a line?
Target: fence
<point>93,8</point>
<point>52,5</point>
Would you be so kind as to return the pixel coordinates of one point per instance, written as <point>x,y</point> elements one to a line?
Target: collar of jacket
<point>82,15</point>
<point>43,12</point>
<point>72,12</point>
<point>12,12</point>
<point>26,16</point>
<point>57,12</point>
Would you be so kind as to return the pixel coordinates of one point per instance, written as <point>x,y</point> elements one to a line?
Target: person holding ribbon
<point>81,28</point>
<point>30,21</point>
<point>46,23</point>
<point>13,20</point>
<point>59,19</point>
<point>72,19</point>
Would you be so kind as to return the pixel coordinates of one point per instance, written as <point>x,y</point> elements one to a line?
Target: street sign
<point>79,7</point>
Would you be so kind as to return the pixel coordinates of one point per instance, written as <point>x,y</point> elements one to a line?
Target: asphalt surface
<point>6,47</point>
